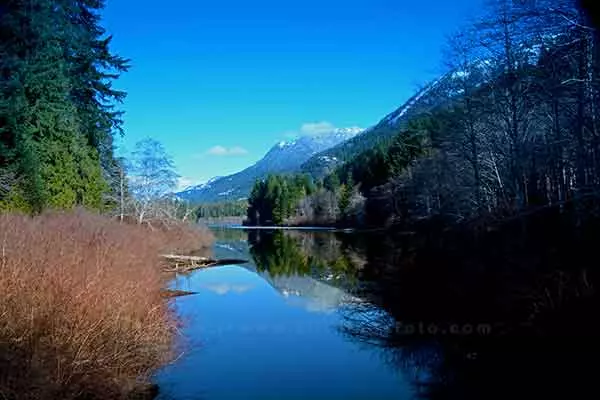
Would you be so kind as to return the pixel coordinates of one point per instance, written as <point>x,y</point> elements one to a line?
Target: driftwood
<point>170,293</point>
<point>182,264</point>
<point>175,257</point>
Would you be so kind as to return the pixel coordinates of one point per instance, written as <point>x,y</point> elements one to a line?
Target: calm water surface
<point>321,315</point>
<point>272,329</point>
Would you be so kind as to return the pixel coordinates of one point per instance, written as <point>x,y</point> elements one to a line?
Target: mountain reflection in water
<point>453,326</point>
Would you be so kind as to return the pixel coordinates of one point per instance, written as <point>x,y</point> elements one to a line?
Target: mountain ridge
<point>342,145</point>
<point>424,100</point>
<point>284,157</point>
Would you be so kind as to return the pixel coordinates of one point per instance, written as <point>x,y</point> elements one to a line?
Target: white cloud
<point>317,128</point>
<point>217,151</point>
<point>225,288</point>
<point>224,151</point>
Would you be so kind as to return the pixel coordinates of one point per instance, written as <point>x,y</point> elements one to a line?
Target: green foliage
<point>345,196</point>
<point>30,195</point>
<point>57,116</point>
<point>93,188</point>
<point>379,136</point>
<point>217,210</point>
<point>284,254</point>
<point>389,158</point>
<point>275,199</point>
<point>72,174</point>
<point>331,182</point>
<point>279,254</point>
<point>409,145</point>
<point>60,175</point>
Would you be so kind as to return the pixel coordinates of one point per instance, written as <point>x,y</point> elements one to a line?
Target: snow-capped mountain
<point>194,188</point>
<point>285,157</point>
<point>443,90</point>
<point>315,292</point>
<point>429,97</point>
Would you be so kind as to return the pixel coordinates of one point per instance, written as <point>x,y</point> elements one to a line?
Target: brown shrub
<point>81,313</point>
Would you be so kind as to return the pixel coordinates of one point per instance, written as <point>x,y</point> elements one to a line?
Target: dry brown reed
<point>81,311</point>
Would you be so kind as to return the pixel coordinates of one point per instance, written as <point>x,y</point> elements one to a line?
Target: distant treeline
<point>519,132</point>
<point>219,210</point>
<point>275,199</point>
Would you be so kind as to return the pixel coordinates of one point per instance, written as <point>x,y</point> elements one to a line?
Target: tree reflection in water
<point>318,254</point>
<point>512,314</point>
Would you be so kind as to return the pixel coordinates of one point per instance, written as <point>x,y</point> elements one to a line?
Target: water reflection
<point>509,318</point>
<point>316,254</point>
<point>255,334</point>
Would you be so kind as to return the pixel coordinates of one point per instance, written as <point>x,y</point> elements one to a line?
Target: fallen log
<point>170,293</point>
<point>183,264</point>
<point>176,257</point>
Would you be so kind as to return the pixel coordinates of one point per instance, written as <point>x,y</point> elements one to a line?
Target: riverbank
<point>278,227</point>
<point>490,312</point>
<point>83,313</point>
<point>484,310</point>
<point>531,274</point>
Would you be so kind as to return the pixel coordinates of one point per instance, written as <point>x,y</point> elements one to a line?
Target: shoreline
<point>275,227</point>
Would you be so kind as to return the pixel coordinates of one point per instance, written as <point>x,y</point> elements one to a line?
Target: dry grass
<point>81,314</point>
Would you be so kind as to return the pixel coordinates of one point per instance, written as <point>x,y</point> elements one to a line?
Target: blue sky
<point>220,82</point>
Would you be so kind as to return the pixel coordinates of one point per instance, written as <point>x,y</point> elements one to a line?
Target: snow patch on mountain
<point>227,192</point>
<point>201,186</point>
<point>285,157</point>
<point>393,118</point>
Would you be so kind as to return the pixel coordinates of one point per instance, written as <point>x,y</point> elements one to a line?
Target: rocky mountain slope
<point>284,157</point>
<point>429,97</point>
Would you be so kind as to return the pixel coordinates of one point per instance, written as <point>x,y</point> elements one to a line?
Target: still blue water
<point>247,335</point>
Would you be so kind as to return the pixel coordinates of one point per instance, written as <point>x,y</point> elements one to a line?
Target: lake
<point>323,315</point>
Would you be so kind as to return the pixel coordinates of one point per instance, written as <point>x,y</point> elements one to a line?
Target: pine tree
<point>93,68</point>
<point>56,99</point>
<point>345,195</point>
<point>332,182</point>
<point>34,93</point>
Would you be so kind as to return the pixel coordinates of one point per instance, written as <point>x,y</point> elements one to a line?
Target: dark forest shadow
<point>510,313</point>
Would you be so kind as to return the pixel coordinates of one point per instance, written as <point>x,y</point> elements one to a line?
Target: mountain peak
<point>333,135</point>
<point>284,157</point>
<point>200,186</point>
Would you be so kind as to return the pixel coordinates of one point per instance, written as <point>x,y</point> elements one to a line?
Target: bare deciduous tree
<point>520,131</point>
<point>152,177</point>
